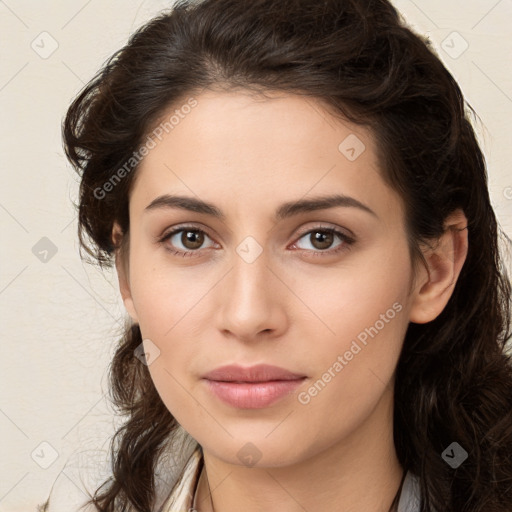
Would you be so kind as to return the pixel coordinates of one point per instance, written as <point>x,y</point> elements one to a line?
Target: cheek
<point>180,395</point>
<point>172,308</point>
<point>344,301</point>
<point>359,323</point>
<point>165,296</point>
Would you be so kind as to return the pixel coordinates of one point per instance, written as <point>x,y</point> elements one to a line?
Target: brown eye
<point>192,239</point>
<point>321,239</point>
<point>186,241</point>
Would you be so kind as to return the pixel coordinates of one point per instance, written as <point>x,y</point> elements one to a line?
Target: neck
<point>360,472</point>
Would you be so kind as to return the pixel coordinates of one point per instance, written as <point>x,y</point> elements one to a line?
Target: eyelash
<point>346,244</point>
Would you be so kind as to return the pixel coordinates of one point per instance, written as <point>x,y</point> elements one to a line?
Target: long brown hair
<point>454,377</point>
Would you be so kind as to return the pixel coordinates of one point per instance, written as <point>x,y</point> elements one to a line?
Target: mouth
<point>252,387</point>
<point>252,374</point>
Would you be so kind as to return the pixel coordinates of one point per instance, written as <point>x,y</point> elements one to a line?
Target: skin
<point>294,306</point>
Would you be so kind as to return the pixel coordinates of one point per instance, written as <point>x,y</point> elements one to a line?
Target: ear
<point>445,260</point>
<point>122,268</point>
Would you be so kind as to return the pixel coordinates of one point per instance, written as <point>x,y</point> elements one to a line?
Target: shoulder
<point>86,470</point>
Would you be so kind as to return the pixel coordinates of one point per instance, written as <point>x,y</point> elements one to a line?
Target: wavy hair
<point>359,58</point>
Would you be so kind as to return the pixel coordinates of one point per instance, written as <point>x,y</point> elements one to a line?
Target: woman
<point>298,212</point>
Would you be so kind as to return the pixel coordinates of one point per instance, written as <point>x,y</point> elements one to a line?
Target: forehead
<point>239,146</point>
<point>231,124</point>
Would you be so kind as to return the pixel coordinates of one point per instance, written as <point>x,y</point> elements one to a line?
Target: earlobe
<point>122,268</point>
<point>445,260</point>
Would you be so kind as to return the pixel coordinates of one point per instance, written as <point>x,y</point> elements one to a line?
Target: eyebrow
<point>286,210</point>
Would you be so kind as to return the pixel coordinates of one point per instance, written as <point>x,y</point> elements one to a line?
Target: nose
<point>252,302</point>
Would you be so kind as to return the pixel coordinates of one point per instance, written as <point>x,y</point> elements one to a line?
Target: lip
<point>252,387</point>
<point>257,373</point>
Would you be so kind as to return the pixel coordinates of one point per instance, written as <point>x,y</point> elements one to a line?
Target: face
<point>320,293</point>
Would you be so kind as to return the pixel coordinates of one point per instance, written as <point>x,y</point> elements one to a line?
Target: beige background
<point>59,317</point>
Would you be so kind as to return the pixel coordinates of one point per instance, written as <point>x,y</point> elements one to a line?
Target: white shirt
<point>85,473</point>
<point>182,496</point>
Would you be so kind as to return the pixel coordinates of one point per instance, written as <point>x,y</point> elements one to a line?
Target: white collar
<point>182,495</point>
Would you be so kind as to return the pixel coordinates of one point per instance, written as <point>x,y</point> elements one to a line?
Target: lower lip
<point>253,395</point>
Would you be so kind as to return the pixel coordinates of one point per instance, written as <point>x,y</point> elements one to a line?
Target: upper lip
<point>257,373</point>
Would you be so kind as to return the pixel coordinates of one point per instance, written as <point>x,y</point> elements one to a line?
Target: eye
<point>321,239</point>
<point>190,238</point>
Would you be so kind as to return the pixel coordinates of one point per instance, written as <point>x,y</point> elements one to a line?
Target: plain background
<point>59,317</point>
